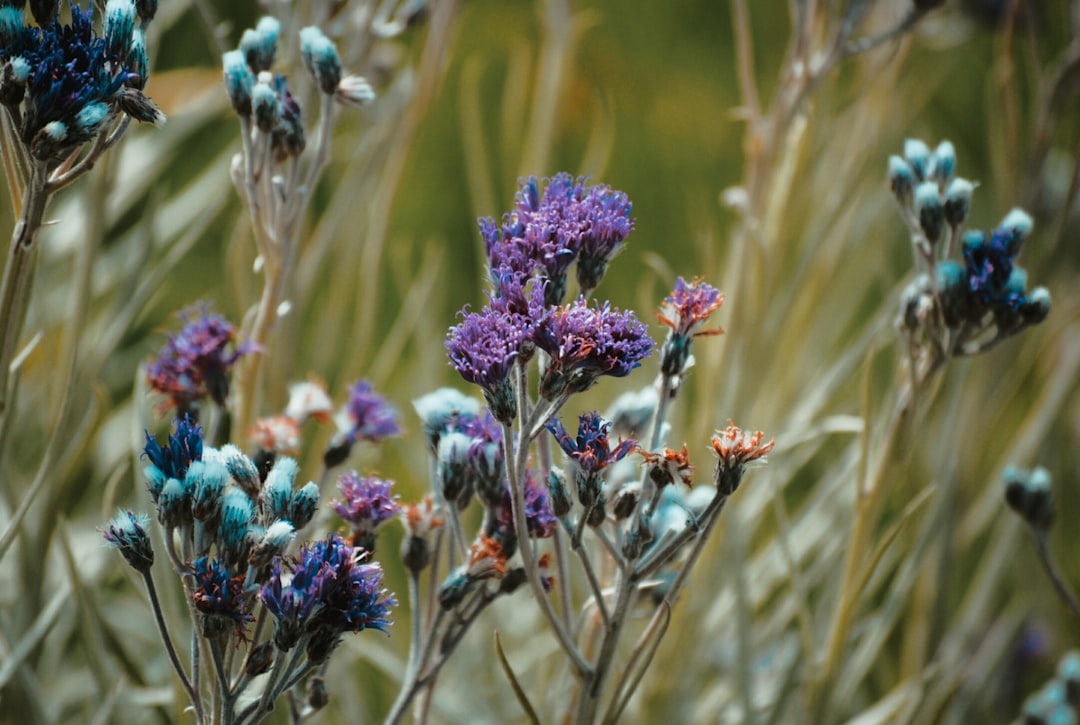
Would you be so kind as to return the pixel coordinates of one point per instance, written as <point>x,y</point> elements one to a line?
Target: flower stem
<point>163,630</point>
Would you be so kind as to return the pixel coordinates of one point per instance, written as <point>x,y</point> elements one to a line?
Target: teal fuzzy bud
<point>1068,671</point>
<point>265,106</point>
<point>12,22</point>
<point>239,81</point>
<point>1037,307</point>
<point>559,495</point>
<point>273,542</point>
<point>155,481</point>
<point>454,465</point>
<point>304,504</point>
<point>127,533</point>
<point>958,201</point>
<point>1017,224</point>
<point>901,180</point>
<point>260,45</point>
<point>1030,495</point>
<point>242,469</point>
<point>92,117</point>
<point>918,155</point>
<point>138,61</point>
<point>944,162</point>
<point>13,79</point>
<point>929,211</point>
<point>119,26</point>
<point>321,59</point>
<point>237,514</point>
<point>209,492</point>
<point>277,492</point>
<point>174,508</point>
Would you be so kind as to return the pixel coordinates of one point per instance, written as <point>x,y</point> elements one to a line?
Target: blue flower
<point>220,598</point>
<point>185,445</point>
<point>366,503</point>
<point>371,417</point>
<point>591,450</point>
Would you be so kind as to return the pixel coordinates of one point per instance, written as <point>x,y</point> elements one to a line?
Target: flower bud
<point>303,505</point>
<point>261,659</point>
<point>929,211</point>
<point>958,201</point>
<point>918,155</point>
<point>119,26</point>
<point>127,532</point>
<point>239,81</point>
<point>321,59</point>
<point>1017,224</point>
<point>944,162</point>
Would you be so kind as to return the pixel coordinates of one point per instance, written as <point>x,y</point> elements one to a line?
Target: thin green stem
<point>1042,546</point>
<point>174,658</point>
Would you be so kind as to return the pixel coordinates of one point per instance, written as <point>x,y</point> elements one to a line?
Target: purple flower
<point>185,446</point>
<point>539,520</point>
<point>487,459</point>
<point>330,592</point>
<point>989,265</point>
<point>366,503</point>
<point>220,598</point>
<point>607,224</point>
<point>483,348</point>
<point>586,342</point>
<point>687,309</point>
<point>195,362</point>
<point>370,417</point>
<point>591,450</point>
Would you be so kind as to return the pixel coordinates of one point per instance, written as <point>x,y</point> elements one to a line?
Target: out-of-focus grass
<point>648,103</point>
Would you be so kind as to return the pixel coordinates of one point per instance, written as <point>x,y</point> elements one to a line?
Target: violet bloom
<point>686,311</point>
<point>606,213</point>
<point>371,418</point>
<point>331,592</point>
<point>220,598</point>
<point>539,520</point>
<point>195,362</point>
<point>366,503</point>
<point>585,342</point>
<point>486,459</point>
<point>483,348</point>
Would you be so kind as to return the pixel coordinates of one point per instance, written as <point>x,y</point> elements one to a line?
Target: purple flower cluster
<point>195,362</point>
<point>591,450</point>
<point>366,503</point>
<point>687,309</point>
<point>585,342</point>
<point>547,231</point>
<point>330,592</point>
<point>220,598</point>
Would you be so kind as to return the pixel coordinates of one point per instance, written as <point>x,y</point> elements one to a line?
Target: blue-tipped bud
<point>155,481</point>
<point>958,201</point>
<point>146,10</point>
<point>127,532</point>
<point>273,542</point>
<point>1068,671</point>
<point>260,45</point>
<point>1037,307</point>
<point>92,117</point>
<point>1017,223</point>
<point>929,211</point>
<point>239,81</point>
<point>321,59</point>
<point>277,492</point>
<point>237,513</point>
<point>265,106</point>
<point>901,180</point>
<point>454,465</point>
<point>207,500</point>
<point>241,468</point>
<point>12,23</point>
<point>138,61</point>
<point>1016,285</point>
<point>303,505</point>
<point>441,409</point>
<point>13,80</point>
<point>944,162</point>
<point>174,507</point>
<point>917,153</point>
<point>972,240</point>
<point>355,91</point>
<point>1031,496</point>
<point>119,26</point>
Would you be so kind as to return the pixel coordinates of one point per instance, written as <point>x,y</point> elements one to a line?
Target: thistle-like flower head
<point>370,417</point>
<point>365,504</point>
<point>185,445</point>
<point>591,450</point>
<point>735,449</point>
<point>220,597</point>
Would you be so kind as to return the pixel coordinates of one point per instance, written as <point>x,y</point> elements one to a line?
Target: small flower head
<point>369,416</point>
<point>686,311</point>
<point>419,519</point>
<point>607,223</point>
<point>944,162</point>
<point>455,477</point>
<point>444,410</point>
<point>185,445</point>
<point>259,45</point>
<point>196,362</point>
<point>127,533</point>
<point>220,598</point>
<point>486,560</point>
<point>668,466</point>
<point>591,451</point>
<point>239,81</point>
<point>277,491</point>
<point>237,515</point>
<point>486,459</point>
<point>586,342</point>
<point>918,155</point>
<point>735,449</point>
<point>209,492</point>
<point>1030,494</point>
<point>540,521</point>
<point>482,348</point>
<point>321,59</point>
<point>279,434</point>
<point>366,503</point>
<point>930,211</point>
<point>304,503</point>
<point>309,399</point>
